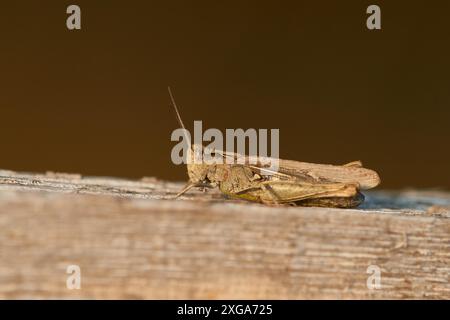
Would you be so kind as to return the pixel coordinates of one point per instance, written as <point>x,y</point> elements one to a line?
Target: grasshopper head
<point>197,173</point>
<point>197,169</point>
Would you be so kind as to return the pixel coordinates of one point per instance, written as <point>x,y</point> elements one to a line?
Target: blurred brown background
<point>94,101</point>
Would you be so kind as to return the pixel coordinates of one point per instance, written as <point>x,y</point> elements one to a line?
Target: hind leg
<point>334,202</point>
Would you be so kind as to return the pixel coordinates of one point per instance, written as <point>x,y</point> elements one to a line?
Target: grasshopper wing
<point>351,173</point>
<point>347,174</point>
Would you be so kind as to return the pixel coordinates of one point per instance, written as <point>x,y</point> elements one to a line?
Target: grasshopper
<point>294,183</point>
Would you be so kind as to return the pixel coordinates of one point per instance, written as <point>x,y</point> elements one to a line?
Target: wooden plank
<point>131,240</point>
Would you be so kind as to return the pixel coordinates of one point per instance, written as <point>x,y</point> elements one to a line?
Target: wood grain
<point>131,240</point>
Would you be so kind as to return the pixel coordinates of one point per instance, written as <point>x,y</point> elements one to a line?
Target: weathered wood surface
<point>132,241</point>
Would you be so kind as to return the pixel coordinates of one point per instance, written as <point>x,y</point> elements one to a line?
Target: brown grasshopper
<point>295,183</point>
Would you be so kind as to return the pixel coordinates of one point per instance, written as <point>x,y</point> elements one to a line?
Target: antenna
<point>175,107</point>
